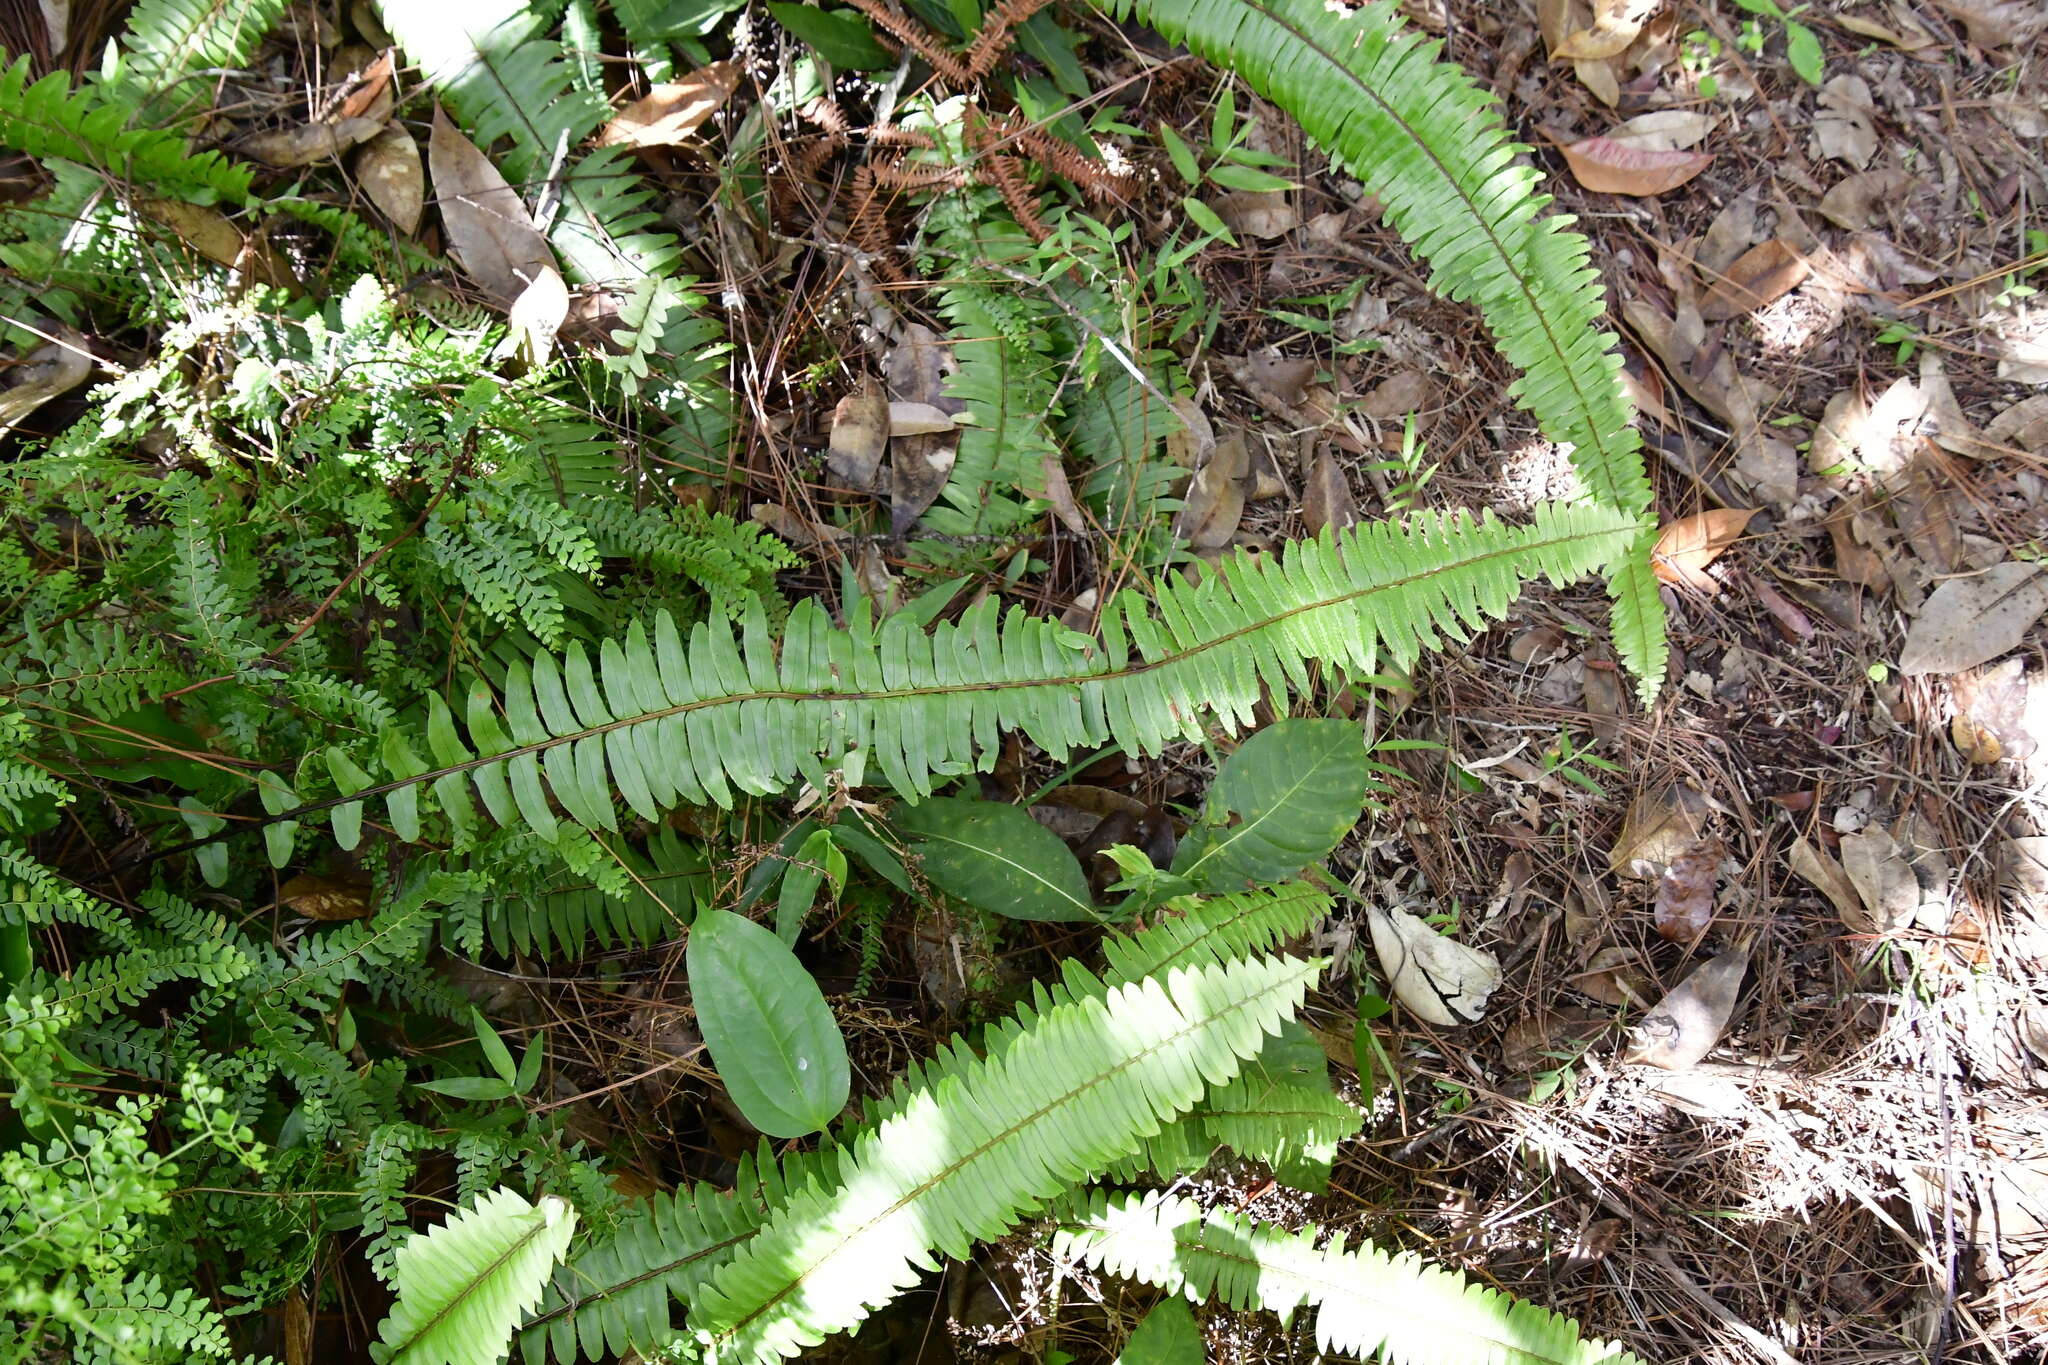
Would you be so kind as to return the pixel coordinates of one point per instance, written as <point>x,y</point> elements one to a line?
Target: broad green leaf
<point>997,857</point>
<point>841,36</point>
<point>1182,155</point>
<point>464,1286</point>
<point>1232,176</point>
<point>817,862</point>
<point>1802,49</point>
<point>468,1087</point>
<point>1167,1336</point>
<point>1281,802</point>
<point>771,1034</point>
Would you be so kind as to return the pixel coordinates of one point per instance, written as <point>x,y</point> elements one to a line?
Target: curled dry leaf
<point>2000,713</point>
<point>45,373</point>
<point>1688,1022</point>
<point>1759,276</point>
<point>1615,25</point>
<point>919,466</point>
<point>490,232</point>
<point>1614,976</point>
<point>669,113</point>
<point>1685,893</point>
<point>860,437</point>
<point>1685,547</point>
<point>1608,167</point>
<point>371,97</point>
<point>1664,130</point>
<point>1845,128</point>
<point>1400,393</point>
<point>1440,979</point>
<point>1326,504</point>
<point>388,168</point>
<point>1969,621</point>
<point>1059,492</point>
<point>1264,214</point>
<point>209,232</point>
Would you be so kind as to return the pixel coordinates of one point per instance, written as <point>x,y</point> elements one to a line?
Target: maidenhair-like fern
<point>1403,1310</point>
<point>1418,133</point>
<point>660,720</point>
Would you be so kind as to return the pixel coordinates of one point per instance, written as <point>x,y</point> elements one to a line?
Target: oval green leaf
<point>771,1034</point>
<point>1281,802</point>
<point>997,857</point>
<point>1167,1336</point>
<point>841,36</point>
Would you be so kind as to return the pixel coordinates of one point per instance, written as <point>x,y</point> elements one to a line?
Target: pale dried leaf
<point>1443,981</point>
<point>1759,276</point>
<point>1609,167</point>
<point>1662,823</point>
<point>1614,976</point>
<point>1855,199</point>
<point>371,97</point>
<point>1733,231</point>
<point>1615,25</point>
<point>860,437</point>
<point>2024,425</point>
<point>1600,79</point>
<point>1264,214</point>
<point>920,419</point>
<point>388,168</point>
<point>1820,870</point>
<point>1687,1023</point>
<point>670,112</point>
<point>45,373</point>
<point>490,233</point>
<point>209,232</point>
<point>1844,128</point>
<point>1664,130</point>
<point>919,466</point>
<point>536,316</point>
<point>1685,547</point>
<point>1880,871</point>
<point>1059,492</point>
<point>1998,712</point>
<point>1393,398</point>
<point>1969,621</point>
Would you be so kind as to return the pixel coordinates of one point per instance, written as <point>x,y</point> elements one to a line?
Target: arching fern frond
<point>1369,1303</point>
<point>556,919</point>
<point>660,720</point>
<point>991,1140</point>
<point>1430,144</point>
<point>464,1287</point>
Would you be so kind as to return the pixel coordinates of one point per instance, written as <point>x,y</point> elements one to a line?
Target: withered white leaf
<point>1442,980</point>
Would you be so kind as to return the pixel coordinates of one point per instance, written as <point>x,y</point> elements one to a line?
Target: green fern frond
<point>464,1287</point>
<point>557,920</point>
<point>622,1293</point>
<point>1369,1303</point>
<point>1418,133</point>
<point>991,1140</point>
<point>662,721</point>
<point>166,40</point>
<point>50,119</point>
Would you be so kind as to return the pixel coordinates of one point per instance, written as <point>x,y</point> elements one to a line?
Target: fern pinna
<point>659,719</point>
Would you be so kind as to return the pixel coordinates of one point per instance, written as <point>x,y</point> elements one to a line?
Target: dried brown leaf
<point>1997,712</point>
<point>389,170</point>
<point>324,898</point>
<point>1816,867</point>
<point>45,373</point>
<point>1856,199</point>
<point>1969,621</point>
<point>1759,276</point>
<point>919,466</point>
<point>1400,393</point>
<point>1059,492</point>
<point>1326,502</point>
<point>1878,867</point>
<point>1664,130</point>
<point>1687,1023</point>
<point>1685,547</point>
<point>371,97</point>
<point>2024,425</point>
<point>670,112</point>
<point>210,232</point>
<point>1608,167</point>
<point>1441,980</point>
<point>1662,823</point>
<point>1264,214</point>
<point>920,419</point>
<point>1214,503</point>
<point>1685,893</point>
<point>309,142</point>
<point>1844,128</point>
<point>860,437</point>
<point>492,236</point>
